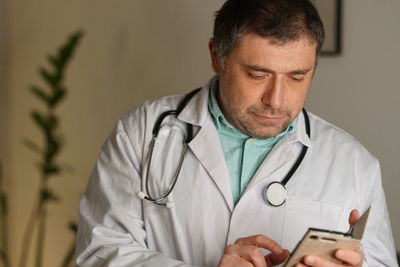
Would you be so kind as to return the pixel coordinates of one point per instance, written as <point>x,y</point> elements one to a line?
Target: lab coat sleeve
<point>377,243</point>
<point>111,231</point>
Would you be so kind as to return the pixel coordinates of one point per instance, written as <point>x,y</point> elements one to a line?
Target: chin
<point>267,133</point>
<point>264,135</point>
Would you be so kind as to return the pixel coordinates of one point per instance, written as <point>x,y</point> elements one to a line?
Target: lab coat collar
<point>299,133</point>
<point>196,110</point>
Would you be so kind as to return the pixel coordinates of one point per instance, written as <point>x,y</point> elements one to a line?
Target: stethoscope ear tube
<point>156,128</point>
<point>157,124</point>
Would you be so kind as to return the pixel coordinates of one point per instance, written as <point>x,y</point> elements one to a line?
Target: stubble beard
<point>263,130</point>
<point>247,124</point>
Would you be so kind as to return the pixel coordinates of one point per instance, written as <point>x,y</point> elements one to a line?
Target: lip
<point>268,118</point>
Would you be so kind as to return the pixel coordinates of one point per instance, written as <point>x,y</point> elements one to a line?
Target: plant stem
<point>26,241</point>
<point>69,256</point>
<point>3,223</point>
<point>41,236</point>
<point>42,215</point>
<point>3,247</point>
<point>4,259</point>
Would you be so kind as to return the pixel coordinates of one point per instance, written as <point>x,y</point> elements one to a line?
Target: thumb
<point>276,258</point>
<point>353,217</point>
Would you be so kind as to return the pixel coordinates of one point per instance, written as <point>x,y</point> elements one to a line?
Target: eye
<point>256,76</point>
<point>297,78</point>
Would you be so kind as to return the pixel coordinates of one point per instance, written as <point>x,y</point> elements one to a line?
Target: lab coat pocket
<point>301,214</point>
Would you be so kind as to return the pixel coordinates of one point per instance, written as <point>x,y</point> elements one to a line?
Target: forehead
<point>268,52</point>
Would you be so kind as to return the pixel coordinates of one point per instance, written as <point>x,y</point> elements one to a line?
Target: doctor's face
<point>263,85</point>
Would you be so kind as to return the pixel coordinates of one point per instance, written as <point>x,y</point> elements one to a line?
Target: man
<point>246,130</point>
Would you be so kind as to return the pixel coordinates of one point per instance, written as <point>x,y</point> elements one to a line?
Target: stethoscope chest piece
<point>275,194</point>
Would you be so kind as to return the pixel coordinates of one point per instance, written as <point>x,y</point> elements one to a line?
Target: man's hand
<point>346,256</point>
<point>247,252</point>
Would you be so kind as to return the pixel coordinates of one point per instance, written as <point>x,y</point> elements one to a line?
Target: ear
<point>214,58</point>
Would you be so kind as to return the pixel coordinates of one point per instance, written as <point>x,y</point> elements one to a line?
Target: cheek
<point>296,97</point>
<point>242,100</point>
<point>235,97</point>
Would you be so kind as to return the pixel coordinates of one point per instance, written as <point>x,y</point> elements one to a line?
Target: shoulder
<point>147,113</point>
<point>328,138</point>
<point>341,159</point>
<point>134,128</point>
<point>150,107</point>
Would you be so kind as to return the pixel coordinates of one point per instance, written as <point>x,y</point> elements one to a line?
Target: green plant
<point>48,123</point>
<point>3,223</point>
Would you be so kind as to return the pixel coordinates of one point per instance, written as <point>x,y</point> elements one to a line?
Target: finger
<point>353,217</point>
<point>253,254</point>
<point>249,253</point>
<point>276,259</point>
<point>351,257</point>
<point>230,260</point>
<point>315,261</point>
<point>262,242</point>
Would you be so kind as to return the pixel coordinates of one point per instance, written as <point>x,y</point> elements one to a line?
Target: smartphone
<point>324,243</point>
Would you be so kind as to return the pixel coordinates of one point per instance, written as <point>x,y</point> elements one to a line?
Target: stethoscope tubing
<point>302,153</point>
<point>189,136</point>
<point>156,128</point>
<point>275,193</point>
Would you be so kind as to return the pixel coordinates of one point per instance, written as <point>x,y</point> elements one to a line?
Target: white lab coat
<point>116,228</point>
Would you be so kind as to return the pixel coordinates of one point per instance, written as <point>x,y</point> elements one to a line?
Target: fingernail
<point>309,260</point>
<point>339,253</point>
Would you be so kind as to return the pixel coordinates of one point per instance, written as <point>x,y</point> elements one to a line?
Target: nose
<point>273,95</point>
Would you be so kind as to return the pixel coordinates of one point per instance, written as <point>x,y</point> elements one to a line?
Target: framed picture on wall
<point>331,15</point>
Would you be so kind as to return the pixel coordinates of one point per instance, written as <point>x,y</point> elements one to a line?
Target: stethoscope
<point>275,193</point>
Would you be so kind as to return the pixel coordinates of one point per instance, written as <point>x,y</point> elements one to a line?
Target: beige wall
<point>136,50</point>
<point>3,81</point>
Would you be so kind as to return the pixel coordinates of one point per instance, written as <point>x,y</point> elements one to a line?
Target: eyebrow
<point>266,70</point>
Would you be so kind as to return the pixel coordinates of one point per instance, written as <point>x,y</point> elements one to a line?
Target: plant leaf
<point>66,168</point>
<point>32,146</point>
<point>47,123</point>
<point>53,148</point>
<point>47,195</point>
<point>39,119</point>
<point>53,61</point>
<point>51,168</point>
<point>41,94</point>
<point>57,97</point>
<point>65,53</point>
<point>3,205</point>
<point>73,226</point>
<point>52,122</point>
<point>52,79</point>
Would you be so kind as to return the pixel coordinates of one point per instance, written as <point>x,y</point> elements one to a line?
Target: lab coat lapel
<point>274,165</point>
<point>282,157</point>
<point>205,144</point>
<point>207,149</point>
